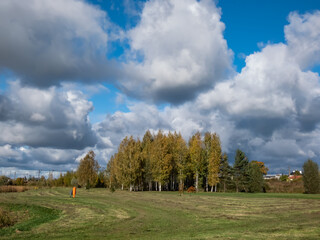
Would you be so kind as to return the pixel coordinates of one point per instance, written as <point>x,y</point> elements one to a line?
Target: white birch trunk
<point>159,186</point>
<point>207,187</point>
<point>197,180</point>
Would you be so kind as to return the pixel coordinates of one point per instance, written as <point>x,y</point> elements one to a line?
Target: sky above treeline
<point>81,75</point>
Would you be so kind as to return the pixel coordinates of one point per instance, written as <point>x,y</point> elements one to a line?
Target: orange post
<point>74,192</point>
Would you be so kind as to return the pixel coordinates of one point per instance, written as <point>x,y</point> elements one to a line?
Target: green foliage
<point>284,178</point>
<point>241,171</point>
<point>256,181</point>
<point>311,177</point>
<point>19,181</point>
<point>225,172</point>
<point>4,180</point>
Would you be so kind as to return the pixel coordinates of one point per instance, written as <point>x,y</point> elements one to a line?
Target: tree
<point>162,159</point>
<point>264,170</point>
<point>311,178</point>
<point>225,171</point>
<point>256,180</point>
<point>241,170</point>
<point>147,158</point>
<point>195,149</point>
<point>180,155</point>
<point>214,161</point>
<point>87,171</point>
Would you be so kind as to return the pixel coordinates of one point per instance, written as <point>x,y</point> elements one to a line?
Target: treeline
<point>166,162</point>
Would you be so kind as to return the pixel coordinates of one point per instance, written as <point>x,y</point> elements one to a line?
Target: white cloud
<point>48,117</point>
<point>177,49</point>
<point>303,37</point>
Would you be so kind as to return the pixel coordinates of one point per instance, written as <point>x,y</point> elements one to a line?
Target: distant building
<point>272,176</point>
<point>294,177</point>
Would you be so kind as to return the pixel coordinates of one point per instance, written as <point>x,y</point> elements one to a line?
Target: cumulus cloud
<point>176,50</point>
<point>303,37</point>
<point>46,42</point>
<point>268,109</point>
<point>45,118</point>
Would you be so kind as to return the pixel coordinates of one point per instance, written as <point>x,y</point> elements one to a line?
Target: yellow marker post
<point>74,192</point>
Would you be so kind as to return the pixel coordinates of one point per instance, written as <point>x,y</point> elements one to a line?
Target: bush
<point>311,178</point>
<point>191,189</point>
<point>5,219</point>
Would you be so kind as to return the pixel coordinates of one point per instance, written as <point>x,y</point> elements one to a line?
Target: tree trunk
<point>159,186</point>
<point>224,186</point>
<point>122,187</point>
<point>156,186</point>
<point>130,187</point>
<point>215,188</point>
<point>207,184</point>
<point>197,180</point>
<point>211,188</point>
<point>150,185</point>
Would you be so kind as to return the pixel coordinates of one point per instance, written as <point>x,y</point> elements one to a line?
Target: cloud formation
<point>46,42</point>
<point>177,54</point>
<point>176,50</point>
<point>45,118</point>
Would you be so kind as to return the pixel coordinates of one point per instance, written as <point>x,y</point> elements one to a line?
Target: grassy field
<point>100,214</point>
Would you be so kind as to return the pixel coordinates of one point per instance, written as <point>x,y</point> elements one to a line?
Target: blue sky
<point>80,75</point>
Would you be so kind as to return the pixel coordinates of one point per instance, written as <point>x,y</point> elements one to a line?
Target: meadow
<point>101,214</point>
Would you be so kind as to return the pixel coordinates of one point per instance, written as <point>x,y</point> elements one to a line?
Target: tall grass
<point>5,219</point>
<point>13,189</point>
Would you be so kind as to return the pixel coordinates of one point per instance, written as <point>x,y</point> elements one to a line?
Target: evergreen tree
<point>256,180</point>
<point>225,171</point>
<point>241,171</point>
<point>311,178</point>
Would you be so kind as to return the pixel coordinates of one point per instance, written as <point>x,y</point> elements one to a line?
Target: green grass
<point>100,214</point>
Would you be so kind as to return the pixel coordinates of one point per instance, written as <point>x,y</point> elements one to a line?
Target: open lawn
<point>100,214</point>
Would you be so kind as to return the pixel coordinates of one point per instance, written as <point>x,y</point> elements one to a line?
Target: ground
<point>100,214</point>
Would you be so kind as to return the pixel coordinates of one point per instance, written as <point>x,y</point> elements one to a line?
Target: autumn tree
<point>311,178</point>
<point>162,159</point>
<point>264,170</point>
<point>146,145</point>
<point>180,150</point>
<point>214,161</point>
<point>195,149</point>
<point>87,170</point>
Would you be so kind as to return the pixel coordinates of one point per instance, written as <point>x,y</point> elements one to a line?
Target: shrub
<point>191,189</point>
<point>5,219</point>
